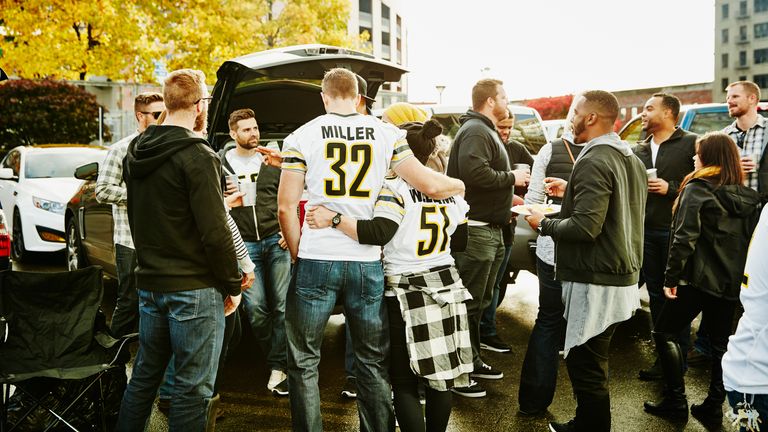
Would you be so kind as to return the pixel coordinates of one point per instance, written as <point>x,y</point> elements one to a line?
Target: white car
<point>36,183</point>
<point>554,128</point>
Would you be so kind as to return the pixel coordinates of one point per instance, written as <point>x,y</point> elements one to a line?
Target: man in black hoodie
<point>187,272</point>
<point>480,160</point>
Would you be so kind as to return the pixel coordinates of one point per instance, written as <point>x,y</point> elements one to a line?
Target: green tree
<point>45,112</point>
<point>120,39</point>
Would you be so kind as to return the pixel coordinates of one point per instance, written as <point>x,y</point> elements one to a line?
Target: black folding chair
<point>56,350</point>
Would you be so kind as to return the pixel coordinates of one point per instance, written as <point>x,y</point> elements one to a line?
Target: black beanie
<point>421,138</point>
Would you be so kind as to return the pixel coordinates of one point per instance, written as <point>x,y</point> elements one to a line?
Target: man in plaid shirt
<point>748,131</point>
<point>110,188</point>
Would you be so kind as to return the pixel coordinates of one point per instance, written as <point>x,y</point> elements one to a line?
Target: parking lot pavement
<point>249,406</point>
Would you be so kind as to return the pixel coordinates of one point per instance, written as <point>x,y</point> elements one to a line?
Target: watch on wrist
<point>336,220</point>
<point>541,224</point>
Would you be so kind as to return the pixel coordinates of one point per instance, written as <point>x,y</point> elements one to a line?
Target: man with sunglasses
<point>110,189</point>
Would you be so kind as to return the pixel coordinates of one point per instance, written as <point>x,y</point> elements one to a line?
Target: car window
<point>13,161</point>
<point>633,132</point>
<point>529,132</point>
<point>704,122</point>
<point>57,165</point>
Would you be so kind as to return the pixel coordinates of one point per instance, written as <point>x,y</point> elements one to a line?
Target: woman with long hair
<point>712,223</point>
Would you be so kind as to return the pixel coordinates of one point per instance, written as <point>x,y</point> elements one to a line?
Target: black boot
<point>653,373</point>
<point>711,410</point>
<point>674,404</point>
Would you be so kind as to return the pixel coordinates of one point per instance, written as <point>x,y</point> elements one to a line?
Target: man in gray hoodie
<point>599,252</point>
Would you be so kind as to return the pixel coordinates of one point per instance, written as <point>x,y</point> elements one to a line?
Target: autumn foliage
<point>46,112</point>
<point>552,108</point>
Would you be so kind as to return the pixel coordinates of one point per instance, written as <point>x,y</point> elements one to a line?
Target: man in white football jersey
<point>343,157</point>
<point>429,329</point>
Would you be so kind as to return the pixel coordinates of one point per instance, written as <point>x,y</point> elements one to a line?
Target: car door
<point>8,187</point>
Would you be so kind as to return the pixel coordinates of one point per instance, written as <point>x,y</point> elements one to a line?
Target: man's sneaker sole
<point>470,394</point>
<point>485,376</point>
<point>348,394</point>
<point>494,349</point>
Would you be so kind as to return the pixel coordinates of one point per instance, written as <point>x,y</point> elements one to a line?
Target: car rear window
<point>529,132</point>
<point>58,165</point>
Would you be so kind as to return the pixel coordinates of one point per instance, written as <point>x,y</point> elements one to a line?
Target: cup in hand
<point>231,181</point>
<point>651,172</point>
<point>521,166</point>
<point>249,188</point>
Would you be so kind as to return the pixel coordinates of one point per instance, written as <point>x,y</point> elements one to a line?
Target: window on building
<point>399,54</point>
<point>743,78</point>
<point>369,32</point>
<point>760,56</point>
<point>743,8</point>
<point>761,5</point>
<point>761,80</point>
<point>724,60</point>
<point>366,14</point>
<point>724,83</point>
<point>365,6</point>
<point>724,11</point>
<point>761,30</point>
<point>399,29</point>
<point>743,33</point>
<point>742,58</point>
<point>724,36</point>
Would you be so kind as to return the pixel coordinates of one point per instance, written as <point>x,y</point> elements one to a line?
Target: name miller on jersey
<point>348,133</point>
<point>417,196</point>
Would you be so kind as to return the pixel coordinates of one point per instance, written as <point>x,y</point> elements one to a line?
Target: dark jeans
<point>125,318</point>
<point>405,384</point>
<point>655,254</point>
<point>538,377</point>
<point>232,333</point>
<point>718,318</point>
<point>190,326</point>
<point>759,403</point>
<point>488,320</point>
<point>478,266</point>
<point>312,294</point>
<point>588,370</point>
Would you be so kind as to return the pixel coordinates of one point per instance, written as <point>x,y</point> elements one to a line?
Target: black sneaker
<point>487,372</point>
<point>495,344</point>
<point>281,389</point>
<point>563,427</point>
<point>473,390</point>
<point>349,390</point>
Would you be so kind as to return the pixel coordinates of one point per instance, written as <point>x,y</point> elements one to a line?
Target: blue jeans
<point>264,301</point>
<point>538,377</point>
<point>126,314</point>
<point>478,266</point>
<point>190,326</point>
<point>488,320</point>
<point>655,254</point>
<point>349,353</point>
<point>315,285</point>
<point>759,402</point>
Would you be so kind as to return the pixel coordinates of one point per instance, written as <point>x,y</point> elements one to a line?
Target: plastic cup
<point>519,166</point>
<point>651,172</point>
<point>250,193</point>
<point>230,180</point>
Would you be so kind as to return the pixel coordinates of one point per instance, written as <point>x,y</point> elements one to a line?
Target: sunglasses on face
<point>155,114</point>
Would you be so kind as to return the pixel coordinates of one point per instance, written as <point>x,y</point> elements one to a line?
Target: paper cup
<point>651,173</point>
<point>522,166</point>
<point>250,193</point>
<point>230,180</point>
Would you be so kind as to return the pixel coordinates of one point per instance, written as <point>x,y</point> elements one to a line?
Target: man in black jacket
<point>667,154</point>
<point>598,236</point>
<point>187,273</point>
<point>479,159</point>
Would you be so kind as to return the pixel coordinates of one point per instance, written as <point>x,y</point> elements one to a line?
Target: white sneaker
<point>275,378</point>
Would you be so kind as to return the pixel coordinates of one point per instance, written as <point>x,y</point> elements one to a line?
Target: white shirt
<point>246,168</point>
<point>423,239</point>
<point>654,151</point>
<point>745,363</point>
<point>344,159</point>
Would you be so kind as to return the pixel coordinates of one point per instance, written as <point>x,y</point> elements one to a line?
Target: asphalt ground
<point>249,406</point>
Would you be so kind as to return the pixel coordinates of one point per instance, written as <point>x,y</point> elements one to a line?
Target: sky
<point>555,47</point>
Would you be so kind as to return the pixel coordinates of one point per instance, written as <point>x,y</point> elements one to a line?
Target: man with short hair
<point>110,189</point>
<point>668,150</point>
<point>187,272</point>
<point>342,157</point>
<point>480,160</point>
<point>599,237</point>
<point>264,301</point>
<point>749,131</point>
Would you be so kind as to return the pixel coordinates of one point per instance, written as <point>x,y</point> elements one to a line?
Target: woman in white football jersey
<point>429,331</point>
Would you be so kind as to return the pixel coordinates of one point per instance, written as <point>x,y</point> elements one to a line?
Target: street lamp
<point>440,89</point>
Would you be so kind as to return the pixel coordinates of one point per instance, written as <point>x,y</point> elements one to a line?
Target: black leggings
<point>405,384</point>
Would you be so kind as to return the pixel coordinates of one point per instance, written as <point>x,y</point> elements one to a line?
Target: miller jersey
<point>423,239</point>
<point>344,159</point>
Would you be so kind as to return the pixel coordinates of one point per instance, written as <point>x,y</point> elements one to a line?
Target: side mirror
<point>7,174</point>
<point>87,172</point>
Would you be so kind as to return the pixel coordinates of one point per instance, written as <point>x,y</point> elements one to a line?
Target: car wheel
<point>18,252</point>
<point>75,258</point>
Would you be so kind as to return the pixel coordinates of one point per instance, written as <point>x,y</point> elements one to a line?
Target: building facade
<point>383,22</point>
<point>741,44</point>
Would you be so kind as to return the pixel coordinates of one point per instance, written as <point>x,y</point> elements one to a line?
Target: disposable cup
<point>651,172</point>
<point>249,199</point>
<point>230,180</point>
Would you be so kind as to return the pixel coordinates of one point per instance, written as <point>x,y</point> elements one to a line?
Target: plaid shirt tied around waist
<point>436,325</point>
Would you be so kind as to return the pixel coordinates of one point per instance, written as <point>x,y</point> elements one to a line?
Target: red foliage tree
<point>551,108</point>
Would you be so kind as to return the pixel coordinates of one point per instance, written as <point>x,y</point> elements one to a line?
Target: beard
<point>248,144</point>
<point>578,129</point>
<point>201,122</point>
<point>736,111</point>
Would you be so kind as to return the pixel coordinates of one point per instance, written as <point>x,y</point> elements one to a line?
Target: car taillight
<point>5,241</point>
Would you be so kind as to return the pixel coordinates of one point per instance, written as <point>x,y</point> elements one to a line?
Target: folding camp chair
<point>53,336</point>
